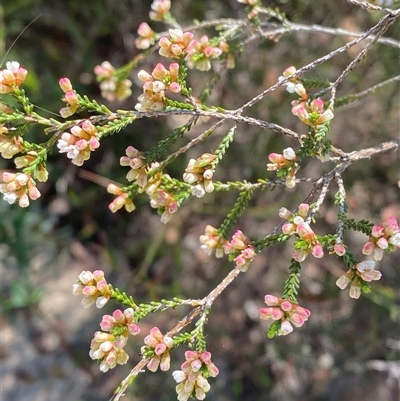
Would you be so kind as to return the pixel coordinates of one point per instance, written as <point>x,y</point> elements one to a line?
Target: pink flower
<point>146,37</point>
<point>312,114</point>
<point>366,270</point>
<point>339,249</point>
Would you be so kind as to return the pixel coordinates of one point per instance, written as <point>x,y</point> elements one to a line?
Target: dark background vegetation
<point>348,350</point>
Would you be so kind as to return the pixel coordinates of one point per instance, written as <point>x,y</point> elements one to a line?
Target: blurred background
<point>348,350</point>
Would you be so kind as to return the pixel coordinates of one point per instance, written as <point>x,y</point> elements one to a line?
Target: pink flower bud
<point>377,231</point>
<point>144,29</point>
<point>275,158</point>
<point>286,305</point>
<point>133,329</point>
<point>318,251</point>
<point>71,98</point>
<point>271,300</point>
<point>391,226</point>
<point>65,84</point>
<point>304,231</point>
<point>382,243</point>
<point>289,71</point>
<point>317,105</point>
<point>303,210</point>
<point>299,255</point>
<point>339,249</point>
<point>34,193</point>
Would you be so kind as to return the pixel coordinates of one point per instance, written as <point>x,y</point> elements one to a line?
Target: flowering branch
<point>166,92</point>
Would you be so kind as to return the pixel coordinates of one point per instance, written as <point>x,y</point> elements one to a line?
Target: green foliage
<point>292,284</point>
<point>235,213</point>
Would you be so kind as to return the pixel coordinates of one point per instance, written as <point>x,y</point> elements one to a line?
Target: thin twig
<point>310,66</point>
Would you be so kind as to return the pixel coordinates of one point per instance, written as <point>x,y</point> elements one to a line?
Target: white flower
<point>285,329</point>
<point>198,191</point>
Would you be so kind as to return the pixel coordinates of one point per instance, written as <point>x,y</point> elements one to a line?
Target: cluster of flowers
<point>286,163</point>
<point>155,85</point>
<point>177,46</point>
<point>11,77</point>
<point>94,287</point>
<point>161,346</point>
<point>79,142</point>
<point>364,271</point>
<point>160,9</point>
<point>159,12</point>
<point>285,312</point>
<point>18,187</point>
<point>211,241</point>
<point>136,161</point>
<point>246,251</point>
<point>108,348</point>
<point>159,198</point>
<point>240,246</point>
<point>111,86</point>
<point>15,187</point>
<point>192,379</point>
<point>310,113</point>
<point>199,53</point>
<point>199,172</point>
<point>298,225</point>
<point>382,238</point>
